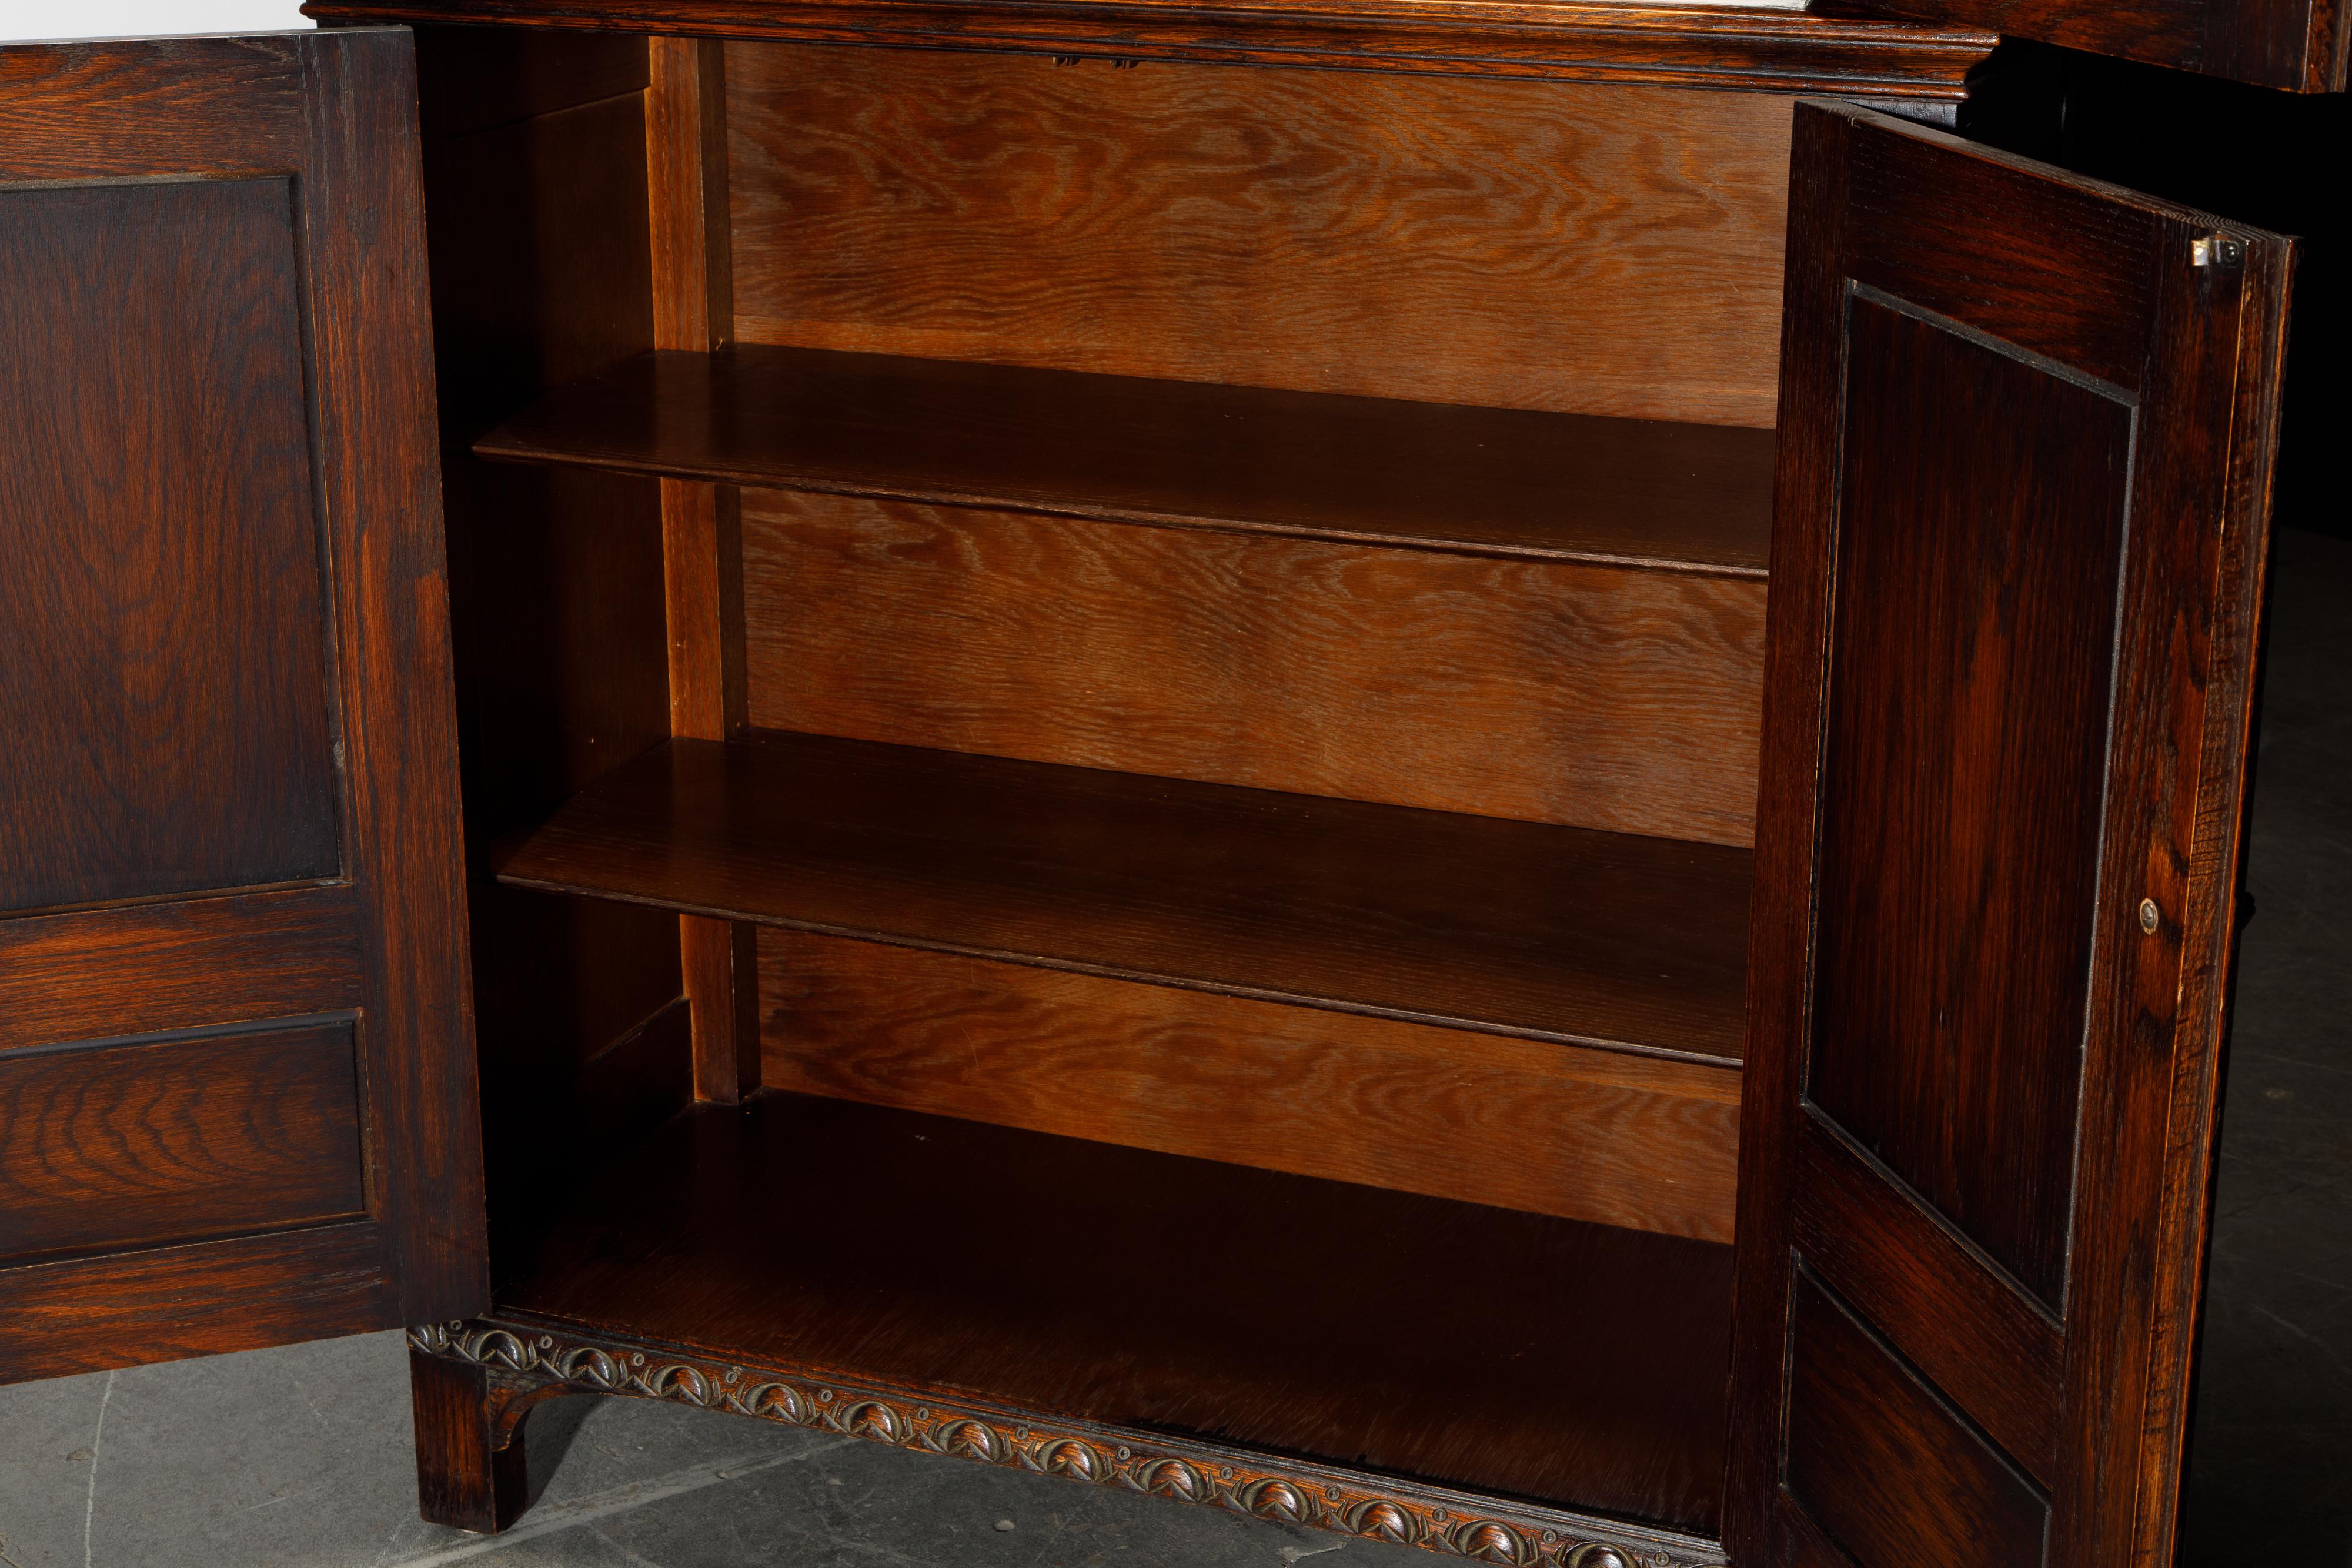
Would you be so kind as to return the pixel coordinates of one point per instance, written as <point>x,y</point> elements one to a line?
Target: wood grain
<point>379,481</point>
<point>1548,692</point>
<point>702,549</point>
<point>1943,1499</point>
<point>1594,249</point>
<point>2137,788</point>
<point>96,1314</point>
<point>1261,1310</point>
<point>107,1146</point>
<point>169,695</point>
<point>2291,44</point>
<point>226,512</point>
<point>143,108</point>
<point>1928,1294</point>
<point>1547,1129</point>
<point>1557,934</point>
<point>1123,449</point>
<point>143,968</point>
<point>464,1480</point>
<point>1982,532</point>
<point>1923,67</point>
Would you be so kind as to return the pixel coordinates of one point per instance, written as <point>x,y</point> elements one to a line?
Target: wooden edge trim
<point>524,1356</point>
<point>1781,51</point>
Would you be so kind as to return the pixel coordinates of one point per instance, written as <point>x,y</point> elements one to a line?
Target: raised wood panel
<point>1558,934</point>
<point>1883,1466</point>
<point>1594,249</point>
<point>1555,691</point>
<point>1549,1129</point>
<point>1963,784</point>
<point>111,1145</point>
<point>168,707</point>
<point>1930,1294</point>
<point>1991,950</point>
<point>145,967</point>
<point>94,1314</point>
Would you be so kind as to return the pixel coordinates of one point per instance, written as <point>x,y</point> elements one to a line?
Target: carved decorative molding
<point>530,1363</point>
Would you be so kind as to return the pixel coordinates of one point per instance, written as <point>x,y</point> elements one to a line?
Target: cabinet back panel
<point>1589,247</point>
<point>1555,691</point>
<point>1549,1129</point>
<point>135,1143</point>
<point>166,703</point>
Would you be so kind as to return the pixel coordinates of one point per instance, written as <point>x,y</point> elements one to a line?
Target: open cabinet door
<point>2022,516</point>
<point>2296,45</point>
<point>237,1078</point>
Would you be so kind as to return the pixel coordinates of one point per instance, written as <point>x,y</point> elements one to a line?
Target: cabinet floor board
<point>1504,1352</point>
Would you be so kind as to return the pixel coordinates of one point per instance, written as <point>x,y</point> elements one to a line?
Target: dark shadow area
<point>2269,1475</point>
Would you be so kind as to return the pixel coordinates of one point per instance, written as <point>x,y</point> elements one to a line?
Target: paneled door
<point>2020,523</point>
<point>236,1078</point>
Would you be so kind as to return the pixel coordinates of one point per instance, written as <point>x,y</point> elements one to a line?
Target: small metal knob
<point>2149,915</point>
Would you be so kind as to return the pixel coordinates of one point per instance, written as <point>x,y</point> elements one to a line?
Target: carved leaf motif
<point>531,1365</point>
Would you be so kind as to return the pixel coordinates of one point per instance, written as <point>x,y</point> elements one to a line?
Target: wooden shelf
<point>1518,928</point>
<point>1504,1352</point>
<point>1187,453</point>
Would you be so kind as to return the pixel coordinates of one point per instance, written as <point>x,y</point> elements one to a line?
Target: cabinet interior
<point>1237,624</point>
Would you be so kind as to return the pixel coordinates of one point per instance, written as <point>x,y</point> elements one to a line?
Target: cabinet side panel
<point>167,705</point>
<point>1594,248</point>
<point>538,207</point>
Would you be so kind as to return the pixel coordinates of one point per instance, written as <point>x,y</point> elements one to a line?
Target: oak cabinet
<point>1494,800</point>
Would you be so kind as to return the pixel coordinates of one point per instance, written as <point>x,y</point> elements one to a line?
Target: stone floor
<point>301,1457</point>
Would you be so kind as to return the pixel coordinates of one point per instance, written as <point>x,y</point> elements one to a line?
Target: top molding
<point>1890,63</point>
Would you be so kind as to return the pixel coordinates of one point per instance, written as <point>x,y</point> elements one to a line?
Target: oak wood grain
<point>1266,1312</point>
<point>1983,504</point>
<point>1544,1128</point>
<point>143,968</point>
<point>1599,249</point>
<point>1549,933</point>
<point>143,107</point>
<point>1944,1499</point>
<point>208,1298</point>
<point>1546,690</point>
<point>379,483</point>
<point>2129,819</point>
<point>105,1145</point>
<point>169,701</point>
<point>702,549</point>
<point>1124,449</point>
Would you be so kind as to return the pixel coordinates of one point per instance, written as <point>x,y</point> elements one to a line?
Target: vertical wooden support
<point>465,1479</point>
<point>702,555</point>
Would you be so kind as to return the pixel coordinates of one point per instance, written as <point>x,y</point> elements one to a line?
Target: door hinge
<point>2217,250</point>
